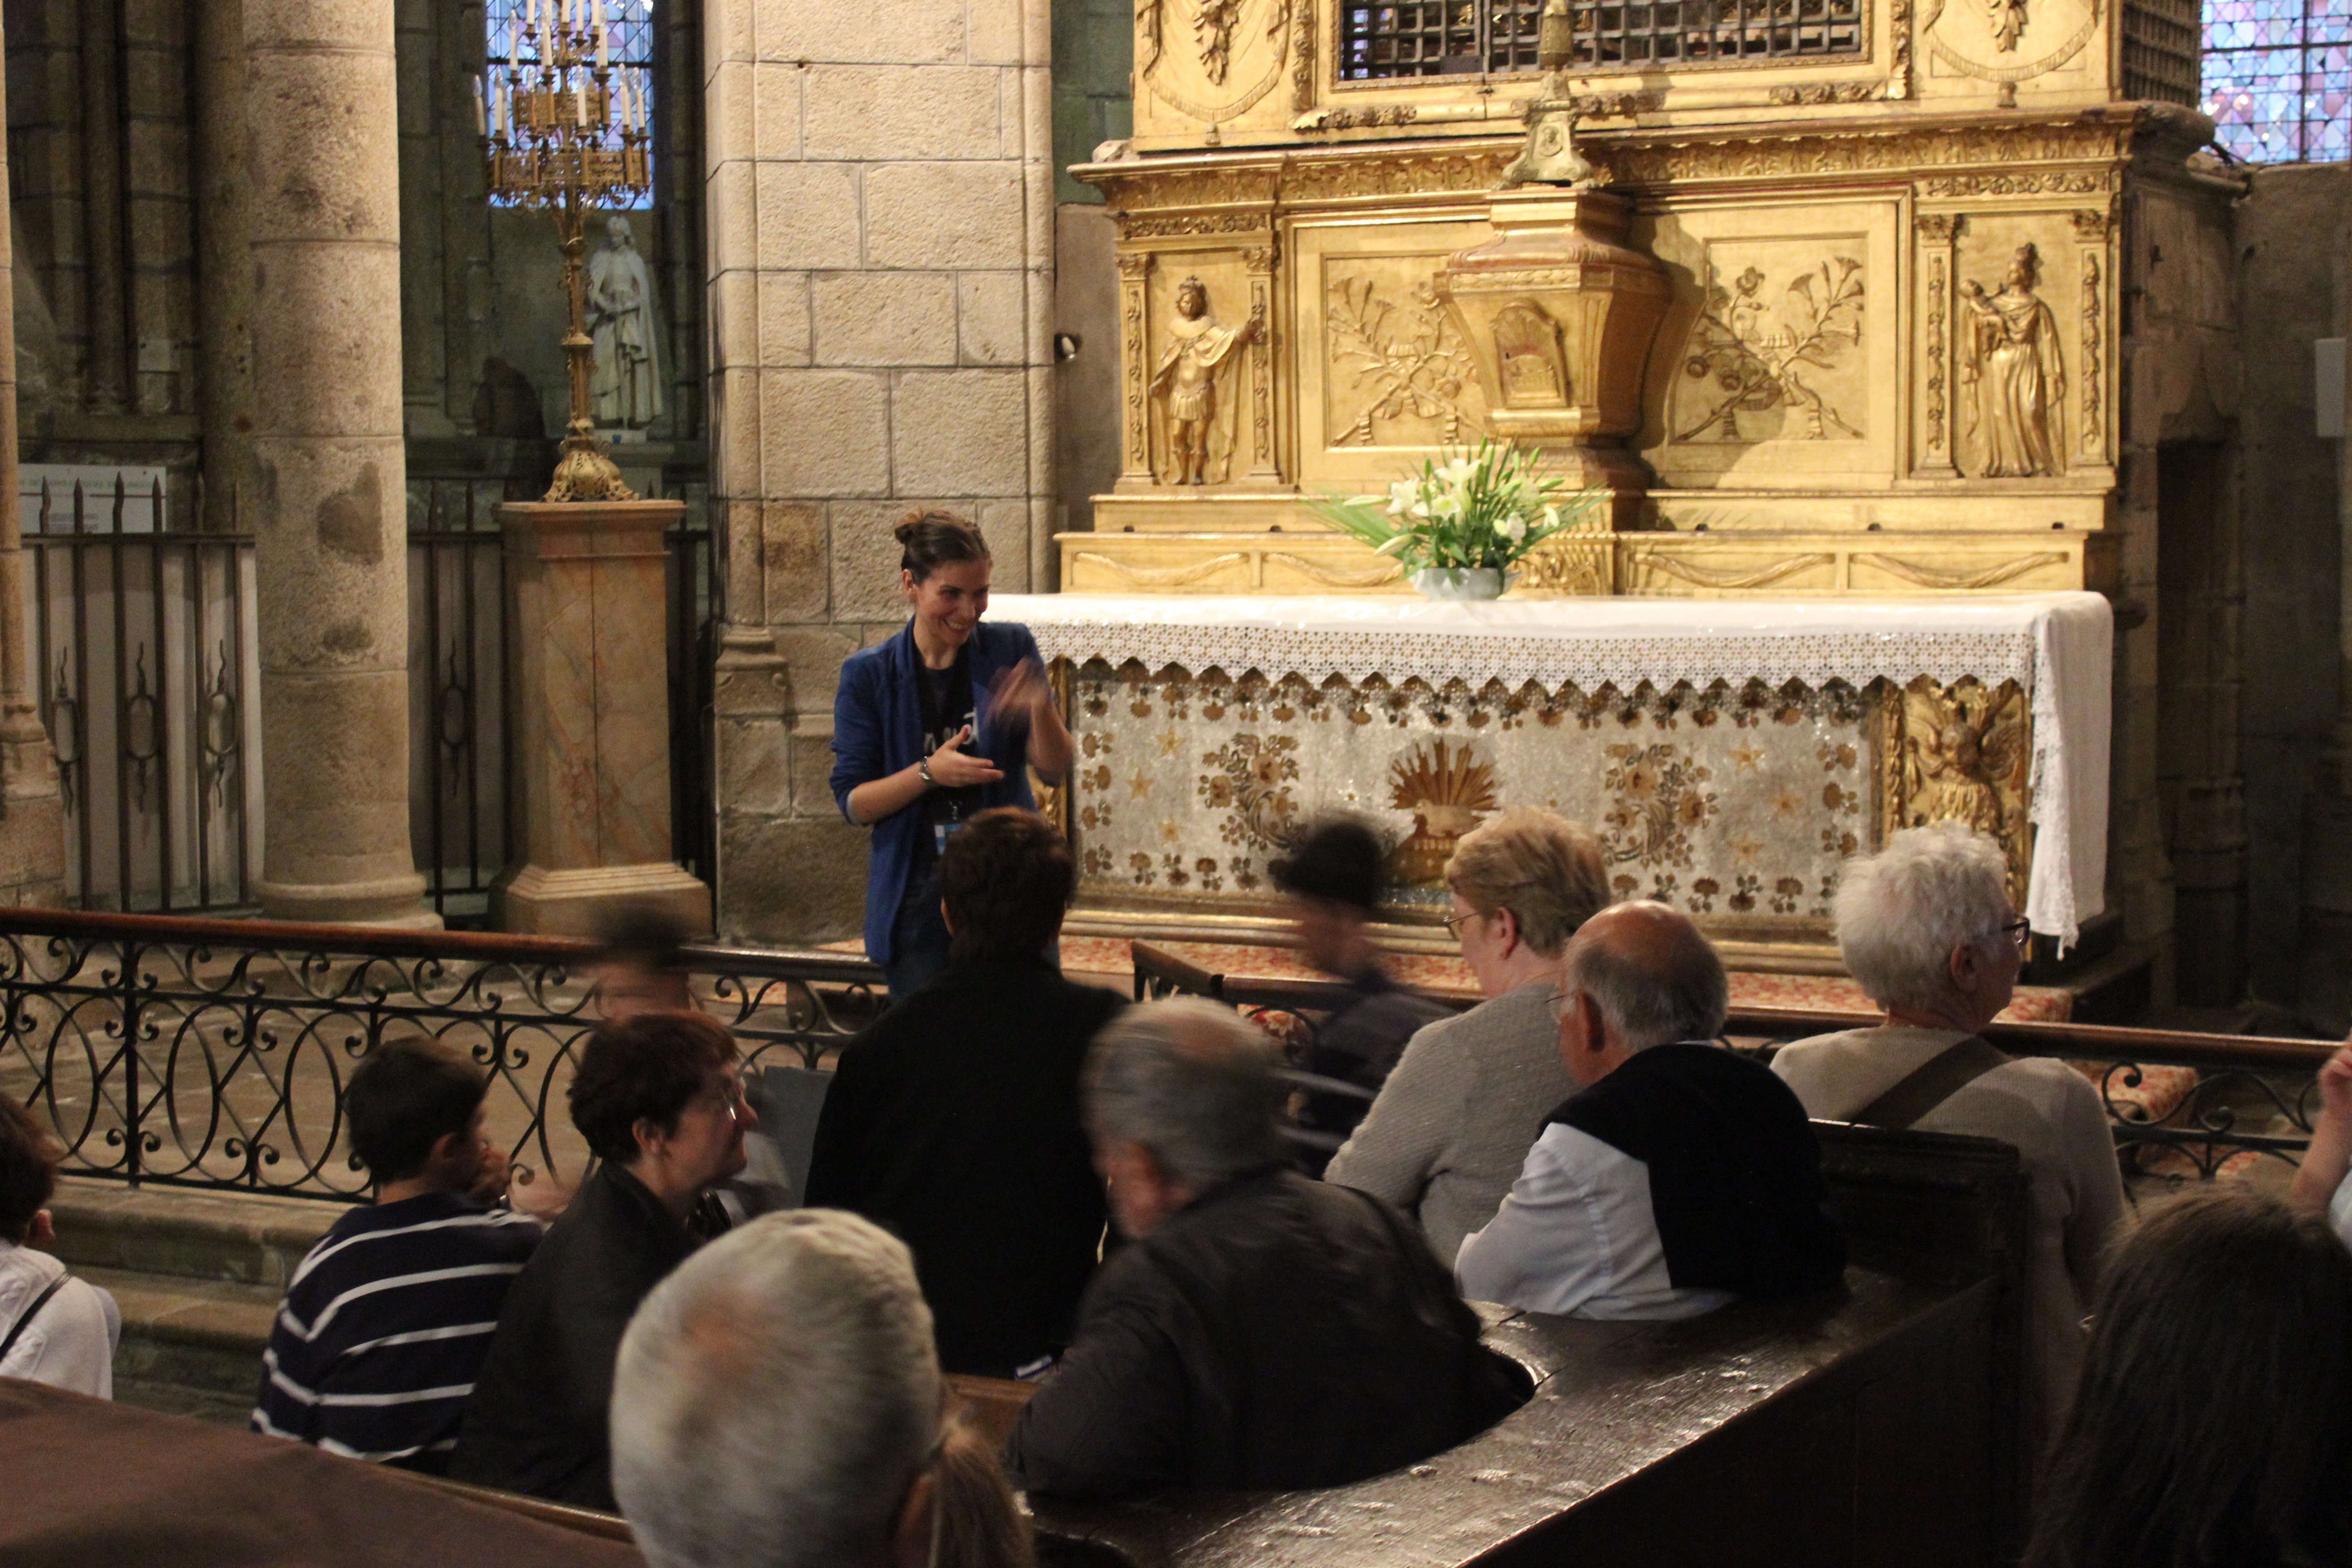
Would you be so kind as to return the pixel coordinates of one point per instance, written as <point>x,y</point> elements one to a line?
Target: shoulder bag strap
<point>1931,1084</point>
<point>25,1320</point>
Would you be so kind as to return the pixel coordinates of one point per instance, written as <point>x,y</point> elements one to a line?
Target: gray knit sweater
<point>1453,1124</point>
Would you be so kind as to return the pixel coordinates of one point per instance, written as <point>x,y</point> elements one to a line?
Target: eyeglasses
<point>1455,923</point>
<point>2019,930</point>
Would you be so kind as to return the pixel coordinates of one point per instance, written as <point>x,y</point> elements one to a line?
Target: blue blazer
<point>877,730</point>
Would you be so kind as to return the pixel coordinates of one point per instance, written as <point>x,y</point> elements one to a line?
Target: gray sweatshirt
<point>1455,1121</point>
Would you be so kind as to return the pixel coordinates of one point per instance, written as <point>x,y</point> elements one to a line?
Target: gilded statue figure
<point>1958,759</point>
<point>625,385</point>
<point>1192,386</point>
<point>2012,357</point>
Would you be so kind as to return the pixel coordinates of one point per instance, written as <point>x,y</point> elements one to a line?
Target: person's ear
<point>1966,966</point>
<point>42,1233</point>
<point>911,1535</point>
<point>907,583</point>
<point>1506,927</point>
<point>946,918</point>
<point>651,1135</point>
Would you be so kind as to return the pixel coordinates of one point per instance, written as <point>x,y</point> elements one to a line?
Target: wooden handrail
<point>2253,1053</point>
<point>376,941</point>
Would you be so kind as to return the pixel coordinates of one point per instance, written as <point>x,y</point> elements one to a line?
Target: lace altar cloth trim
<point>2058,648</point>
<point>1477,642</point>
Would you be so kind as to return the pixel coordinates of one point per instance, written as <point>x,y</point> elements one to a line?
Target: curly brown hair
<point>643,1068</point>
<point>28,1169</point>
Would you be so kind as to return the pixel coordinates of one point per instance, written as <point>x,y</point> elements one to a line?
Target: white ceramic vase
<point>1459,582</point>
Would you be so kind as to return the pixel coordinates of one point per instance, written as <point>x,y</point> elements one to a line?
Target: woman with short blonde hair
<point>1544,869</point>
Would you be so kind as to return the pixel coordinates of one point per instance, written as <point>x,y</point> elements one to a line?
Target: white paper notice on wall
<point>2327,387</point>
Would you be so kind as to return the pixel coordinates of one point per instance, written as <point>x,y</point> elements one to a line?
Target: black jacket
<point>1277,1334</point>
<point>537,1422</point>
<point>953,1121</point>
<point>1359,1043</point>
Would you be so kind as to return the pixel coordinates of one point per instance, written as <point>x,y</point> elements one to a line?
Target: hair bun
<point>907,527</point>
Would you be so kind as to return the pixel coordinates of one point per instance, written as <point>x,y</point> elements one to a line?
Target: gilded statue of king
<point>1194,405</point>
<point>2012,356</point>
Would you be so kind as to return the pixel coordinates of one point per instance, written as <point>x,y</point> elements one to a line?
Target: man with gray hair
<point>777,1403</point>
<point>1927,926</point>
<point>1679,1176</point>
<point>1261,1330</point>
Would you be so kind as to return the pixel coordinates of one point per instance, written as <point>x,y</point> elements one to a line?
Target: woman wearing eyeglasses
<point>1451,1127</point>
<point>659,1098</point>
<point>1927,926</point>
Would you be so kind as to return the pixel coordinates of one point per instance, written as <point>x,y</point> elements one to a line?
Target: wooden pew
<point>1875,1425</point>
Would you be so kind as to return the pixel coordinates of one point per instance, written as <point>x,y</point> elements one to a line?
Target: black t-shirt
<point>946,696</point>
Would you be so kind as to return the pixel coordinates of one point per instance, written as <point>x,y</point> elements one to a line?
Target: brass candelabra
<point>564,133</point>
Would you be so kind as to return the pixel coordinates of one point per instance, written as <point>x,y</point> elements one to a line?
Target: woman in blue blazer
<point>938,724</point>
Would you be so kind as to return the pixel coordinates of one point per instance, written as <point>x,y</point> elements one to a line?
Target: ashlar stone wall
<point>879,186</point>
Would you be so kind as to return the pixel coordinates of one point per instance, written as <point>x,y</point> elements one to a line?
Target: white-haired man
<point>1262,1331</point>
<point>1679,1176</point>
<point>1927,926</point>
<point>777,1403</point>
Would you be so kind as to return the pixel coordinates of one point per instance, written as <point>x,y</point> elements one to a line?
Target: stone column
<point>32,815</point>
<point>327,497</point>
<point>223,259</point>
<point>587,626</point>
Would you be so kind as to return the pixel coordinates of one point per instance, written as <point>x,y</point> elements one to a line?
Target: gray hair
<point>775,1397</point>
<point>1190,1081</point>
<point>1901,912</point>
<point>1665,986</point>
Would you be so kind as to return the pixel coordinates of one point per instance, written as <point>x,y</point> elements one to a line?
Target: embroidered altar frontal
<point>1728,758</point>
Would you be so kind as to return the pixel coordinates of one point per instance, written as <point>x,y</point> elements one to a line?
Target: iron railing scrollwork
<point>216,1053</point>
<point>2178,1103</point>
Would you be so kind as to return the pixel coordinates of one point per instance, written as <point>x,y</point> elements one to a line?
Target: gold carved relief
<point>1574,565</point>
<point>2017,377</point>
<point>1134,276</point>
<point>1398,373</point>
<point>1449,793</point>
<point>1240,53</point>
<point>1193,395</point>
<point>1961,753</point>
<point>1981,38</point>
<point>1765,363</point>
<point>1929,575</point>
<point>1651,564</point>
<point>1527,349</point>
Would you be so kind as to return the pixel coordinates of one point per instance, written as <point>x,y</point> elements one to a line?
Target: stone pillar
<point>225,259</point>
<point>32,814</point>
<point>586,630</point>
<point>880,204</point>
<point>327,497</point>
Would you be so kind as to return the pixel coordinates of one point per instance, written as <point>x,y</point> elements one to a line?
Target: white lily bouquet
<point>1458,527</point>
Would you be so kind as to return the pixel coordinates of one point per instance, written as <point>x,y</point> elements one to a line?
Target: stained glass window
<point>2278,78</point>
<point>629,32</point>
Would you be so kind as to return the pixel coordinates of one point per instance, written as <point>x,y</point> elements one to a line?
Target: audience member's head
<point>1181,1097</point>
<point>1005,878</point>
<point>777,1403</point>
<point>980,1524</point>
<point>2213,1422</point>
<point>28,1174</point>
<point>1637,975</point>
<point>1334,882</point>
<point>1926,926</point>
<point>660,1094</point>
<point>640,962</point>
<point>1522,884</point>
<point>416,1111</point>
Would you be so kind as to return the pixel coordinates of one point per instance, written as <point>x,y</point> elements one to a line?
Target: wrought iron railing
<point>214,1053</point>
<point>2178,1103</point>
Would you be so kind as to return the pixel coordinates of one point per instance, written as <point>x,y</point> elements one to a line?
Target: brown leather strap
<point>1931,1084</point>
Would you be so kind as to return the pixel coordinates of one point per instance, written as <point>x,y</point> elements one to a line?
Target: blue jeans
<point>918,937</point>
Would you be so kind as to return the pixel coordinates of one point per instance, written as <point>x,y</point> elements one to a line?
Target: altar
<point>1729,755</point>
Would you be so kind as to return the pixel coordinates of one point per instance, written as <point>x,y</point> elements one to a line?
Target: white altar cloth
<point>2058,648</point>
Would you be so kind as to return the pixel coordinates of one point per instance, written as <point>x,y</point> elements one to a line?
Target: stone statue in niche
<point>1191,388</point>
<point>2010,355</point>
<point>1526,348</point>
<point>626,387</point>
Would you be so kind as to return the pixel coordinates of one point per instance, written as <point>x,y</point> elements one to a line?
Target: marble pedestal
<point>588,644</point>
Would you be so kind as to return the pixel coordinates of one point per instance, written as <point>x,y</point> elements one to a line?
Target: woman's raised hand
<point>955,769</point>
<point>1021,689</point>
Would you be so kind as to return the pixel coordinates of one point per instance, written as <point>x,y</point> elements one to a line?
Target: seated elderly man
<point>659,1100</point>
<point>1453,1121</point>
<point>1927,926</point>
<point>777,1403</point>
<point>1261,1330</point>
<point>1679,1176</point>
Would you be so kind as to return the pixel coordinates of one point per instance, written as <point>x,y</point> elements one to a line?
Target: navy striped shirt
<point>381,1331</point>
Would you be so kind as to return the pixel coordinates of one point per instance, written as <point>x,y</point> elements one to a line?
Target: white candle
<point>580,96</point>
<point>603,53</point>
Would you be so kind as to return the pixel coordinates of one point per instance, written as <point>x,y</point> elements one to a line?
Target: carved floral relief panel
<point>1736,803</point>
<point>1384,374</point>
<point>1778,362</point>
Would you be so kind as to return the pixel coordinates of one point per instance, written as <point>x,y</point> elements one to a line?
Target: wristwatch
<point>923,766</point>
